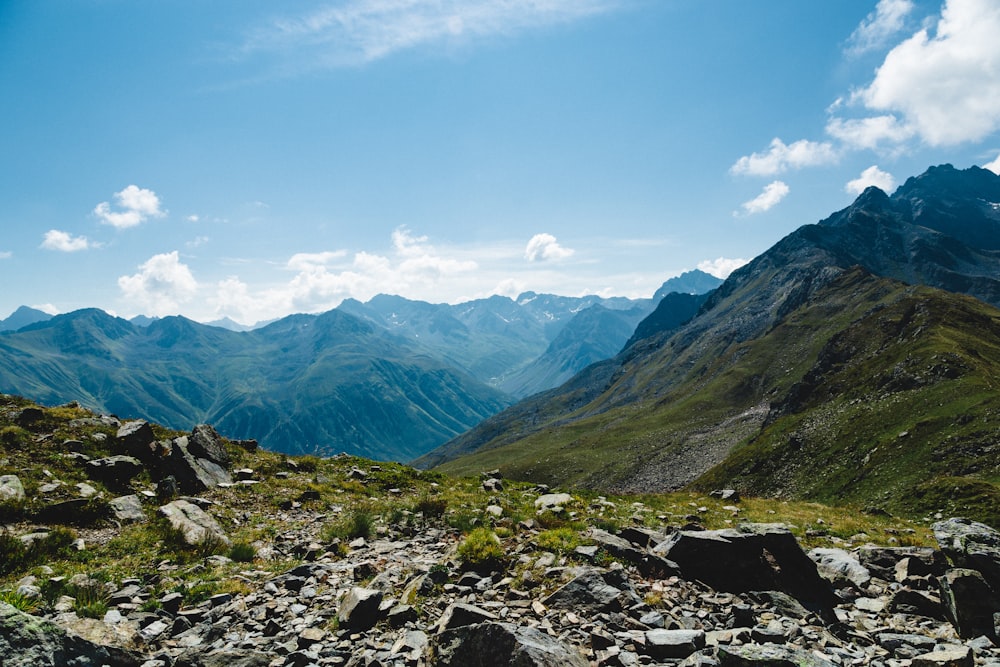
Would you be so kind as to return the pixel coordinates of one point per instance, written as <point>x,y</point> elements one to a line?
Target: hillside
<point>113,553</point>
<point>678,402</point>
<point>306,384</point>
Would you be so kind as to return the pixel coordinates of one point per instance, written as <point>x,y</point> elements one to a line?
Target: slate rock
<point>586,593</point>
<point>135,439</point>
<point>199,657</point>
<point>972,545</point>
<point>459,614</point>
<point>127,509</point>
<point>552,501</point>
<point>882,561</point>
<point>648,564</point>
<point>115,472</point>
<point>970,602</point>
<point>906,601</point>
<point>673,643</point>
<point>193,474</point>
<point>945,656</point>
<point>503,645</point>
<point>28,641</point>
<point>359,609</point>
<point>205,443</point>
<point>839,567</point>
<point>769,655</point>
<point>195,525</point>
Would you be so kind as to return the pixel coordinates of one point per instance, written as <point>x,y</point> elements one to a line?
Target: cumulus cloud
<point>65,242</point>
<point>781,157</point>
<point>721,267</point>
<point>134,206</point>
<point>771,196</point>
<point>355,32</point>
<point>944,86</point>
<point>888,19</point>
<point>871,132</point>
<point>545,247</point>
<point>883,180</point>
<point>162,284</point>
<point>993,166</point>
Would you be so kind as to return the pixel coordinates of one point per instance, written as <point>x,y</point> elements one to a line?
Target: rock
<point>839,567</point>
<point>115,472</point>
<point>755,557</point>
<point>648,564</point>
<point>11,488</point>
<point>673,643</point>
<point>586,593</point>
<point>28,641</point>
<point>769,655</point>
<point>195,525</point>
<point>972,545</point>
<point>493,485</point>
<point>970,602</point>
<point>193,474</point>
<point>945,656</point>
<point>359,610</point>
<point>882,561</point>
<point>502,645</point>
<point>127,509</point>
<point>135,439</point>
<point>906,601</point>
<point>552,502</point>
<point>205,443</point>
<point>199,657</point>
<point>459,613</point>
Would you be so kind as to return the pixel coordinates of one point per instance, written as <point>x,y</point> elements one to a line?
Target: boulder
<point>840,567</point>
<point>359,610</point>
<point>205,443</point>
<point>970,602</point>
<point>28,641</point>
<point>768,655</point>
<point>136,439</point>
<point>589,592</point>
<point>193,474</point>
<point>195,525</point>
<point>883,561</point>
<point>459,613</point>
<point>945,656</point>
<point>11,488</point>
<point>756,557</point>
<point>127,509</point>
<point>503,645</point>
<point>552,502</point>
<point>972,545</point>
<point>673,644</point>
<point>115,472</point>
<point>648,564</point>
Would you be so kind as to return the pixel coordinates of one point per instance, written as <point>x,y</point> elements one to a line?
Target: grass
<point>481,550</point>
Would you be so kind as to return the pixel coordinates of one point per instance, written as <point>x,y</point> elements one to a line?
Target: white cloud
<point>883,180</point>
<point>771,196</point>
<point>64,242</point>
<point>870,132</point>
<point>162,284</point>
<point>721,267</point>
<point>993,166</point>
<point>46,308</point>
<point>6,254</point>
<point>360,31</point>
<point>945,86</point>
<point>888,19</point>
<point>781,157</point>
<point>194,217</point>
<point>545,247</point>
<point>135,204</point>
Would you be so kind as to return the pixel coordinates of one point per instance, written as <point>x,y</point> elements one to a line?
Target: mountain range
<point>388,379</point>
<point>856,360</point>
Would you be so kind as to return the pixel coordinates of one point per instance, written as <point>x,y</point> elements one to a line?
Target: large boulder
<point>503,645</point>
<point>971,544</point>
<point>591,592</point>
<point>205,443</point>
<point>28,641</point>
<point>359,609</point>
<point>193,474</point>
<point>115,472</point>
<point>756,557</point>
<point>194,524</point>
<point>840,567</point>
<point>127,509</point>
<point>11,488</point>
<point>136,439</point>
<point>648,564</point>
<point>769,655</point>
<point>969,602</point>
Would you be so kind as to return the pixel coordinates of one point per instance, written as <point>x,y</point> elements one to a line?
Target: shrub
<point>242,552</point>
<point>481,551</point>
<point>431,507</point>
<point>359,523</point>
<point>14,437</point>
<point>558,540</point>
<point>91,599</point>
<point>28,605</point>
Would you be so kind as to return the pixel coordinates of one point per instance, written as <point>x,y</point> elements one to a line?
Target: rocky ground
<point>533,578</point>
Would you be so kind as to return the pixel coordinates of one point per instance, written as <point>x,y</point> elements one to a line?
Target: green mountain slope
<point>306,384</point>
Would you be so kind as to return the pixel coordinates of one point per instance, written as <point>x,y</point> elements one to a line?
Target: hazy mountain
<point>22,317</point>
<point>689,282</point>
<point>732,387</point>
<point>305,384</point>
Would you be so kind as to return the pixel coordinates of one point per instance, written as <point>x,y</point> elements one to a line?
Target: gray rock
<point>459,613</point>
<point>194,523</point>
<point>973,545</point>
<point>945,656</point>
<point>838,567</point>
<point>503,645</point>
<point>359,610</point>
<point>673,643</point>
<point>970,602</point>
<point>28,641</point>
<point>550,502</point>
<point>193,474</point>
<point>648,564</point>
<point>127,509</point>
<point>11,488</point>
<point>205,443</point>
<point>586,593</point>
<point>882,561</point>
<point>115,472</point>
<point>769,655</point>
<point>136,439</point>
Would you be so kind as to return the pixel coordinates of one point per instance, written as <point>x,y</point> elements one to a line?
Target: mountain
<point>305,384</point>
<point>726,397</point>
<point>689,282</point>
<point>22,317</point>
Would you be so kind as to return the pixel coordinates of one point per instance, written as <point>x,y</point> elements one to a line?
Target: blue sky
<point>252,159</point>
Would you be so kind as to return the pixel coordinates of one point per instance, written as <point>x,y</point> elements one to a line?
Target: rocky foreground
<point>513,587</point>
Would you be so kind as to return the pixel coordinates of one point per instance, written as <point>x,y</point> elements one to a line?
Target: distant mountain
<point>824,368</point>
<point>22,317</point>
<point>305,384</point>
<point>230,325</point>
<point>689,282</point>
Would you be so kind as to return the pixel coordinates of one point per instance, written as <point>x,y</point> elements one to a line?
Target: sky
<point>251,159</point>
